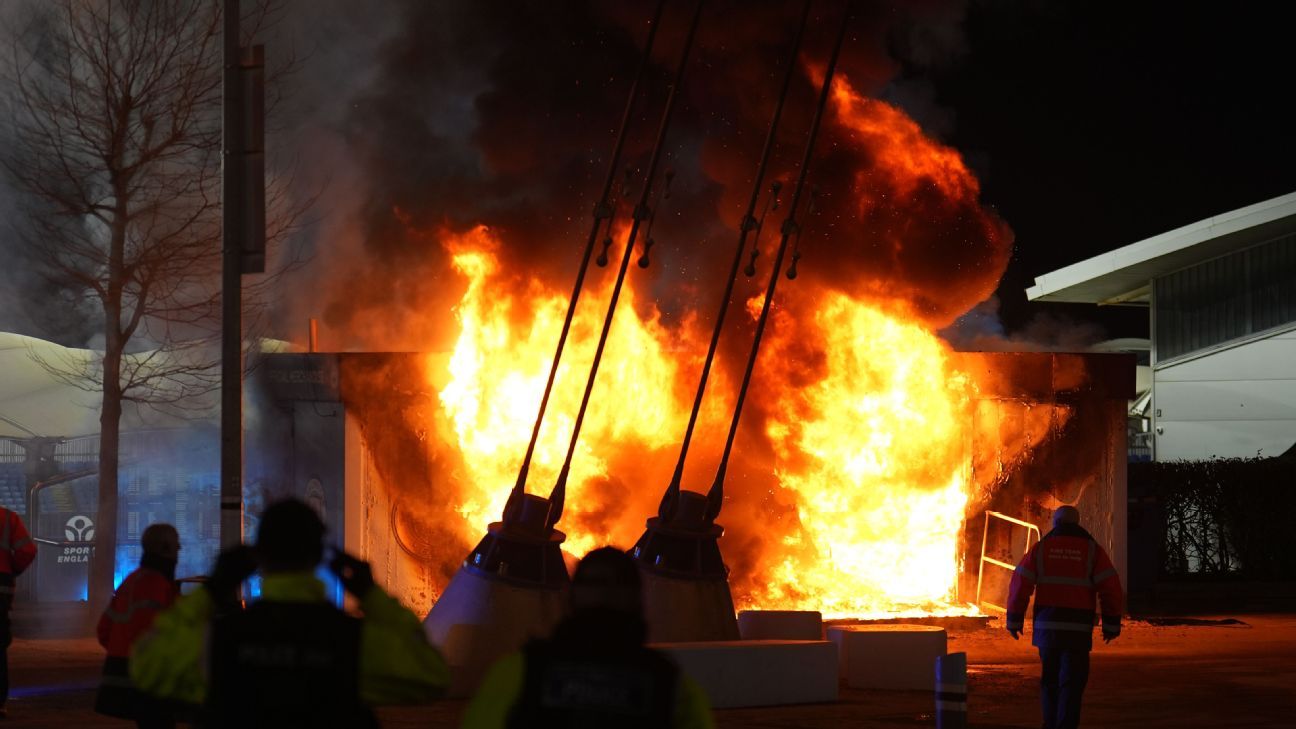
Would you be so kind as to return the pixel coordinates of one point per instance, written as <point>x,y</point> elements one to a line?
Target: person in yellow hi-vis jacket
<point>595,669</point>
<point>290,659</point>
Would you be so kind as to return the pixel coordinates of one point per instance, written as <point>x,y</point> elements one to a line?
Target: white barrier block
<point>780,625</point>
<point>760,673</point>
<point>888,656</point>
<point>478,620</point>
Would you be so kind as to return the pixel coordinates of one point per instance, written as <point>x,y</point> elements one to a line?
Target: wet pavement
<point>1153,677</point>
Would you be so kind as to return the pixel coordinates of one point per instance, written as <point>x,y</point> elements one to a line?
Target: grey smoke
<point>981,330</point>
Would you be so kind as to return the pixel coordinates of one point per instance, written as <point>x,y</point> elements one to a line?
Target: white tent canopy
<point>35,402</point>
<point>38,402</point>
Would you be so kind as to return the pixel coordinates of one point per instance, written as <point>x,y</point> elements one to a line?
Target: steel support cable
<point>715,497</point>
<point>668,502</point>
<point>641,212</point>
<point>602,211</point>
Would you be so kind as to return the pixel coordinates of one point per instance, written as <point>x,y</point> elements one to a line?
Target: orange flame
<point>874,447</point>
<point>865,426</point>
<point>498,371</point>
<point>911,159</point>
<point>876,451</point>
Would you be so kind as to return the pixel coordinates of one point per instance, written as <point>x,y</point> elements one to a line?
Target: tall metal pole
<point>748,224</point>
<point>641,213</point>
<point>231,467</point>
<point>716,496</point>
<point>602,211</point>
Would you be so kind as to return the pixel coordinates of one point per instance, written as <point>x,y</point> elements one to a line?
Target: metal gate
<point>985,532</point>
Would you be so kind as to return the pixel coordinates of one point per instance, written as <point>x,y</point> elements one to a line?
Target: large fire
<point>874,451</point>
<point>877,453</point>
<point>858,453</point>
<point>498,372</point>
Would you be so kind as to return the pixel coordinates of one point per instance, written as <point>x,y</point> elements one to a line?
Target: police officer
<point>17,550</point>
<point>1066,570</point>
<point>141,596</point>
<point>595,669</point>
<point>291,659</point>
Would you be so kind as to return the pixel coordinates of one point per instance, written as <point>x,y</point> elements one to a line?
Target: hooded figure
<point>290,658</point>
<point>17,550</point>
<point>595,669</point>
<point>1067,571</point>
<point>144,593</point>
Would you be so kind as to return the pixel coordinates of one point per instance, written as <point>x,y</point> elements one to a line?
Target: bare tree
<point>115,137</point>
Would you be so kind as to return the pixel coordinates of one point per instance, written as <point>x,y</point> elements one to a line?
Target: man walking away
<point>142,595</point>
<point>1066,570</point>
<point>17,550</point>
<point>595,670</point>
<point>291,659</point>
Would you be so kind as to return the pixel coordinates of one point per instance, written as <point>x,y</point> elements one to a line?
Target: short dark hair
<point>290,537</point>
<point>606,567</point>
<point>608,579</point>
<point>1066,514</point>
<point>161,540</point>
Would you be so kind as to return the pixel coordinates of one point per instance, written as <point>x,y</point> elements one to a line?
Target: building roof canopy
<point>1122,276</point>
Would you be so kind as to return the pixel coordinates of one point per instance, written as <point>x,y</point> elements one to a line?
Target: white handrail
<point>985,533</point>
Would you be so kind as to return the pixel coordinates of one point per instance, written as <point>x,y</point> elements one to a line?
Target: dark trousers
<point>118,698</point>
<point>5,639</point>
<point>4,675</point>
<point>1062,684</point>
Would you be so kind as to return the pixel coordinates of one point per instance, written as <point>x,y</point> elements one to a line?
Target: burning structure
<point>869,451</point>
<point>368,437</point>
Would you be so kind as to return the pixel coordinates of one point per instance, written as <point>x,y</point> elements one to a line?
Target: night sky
<point>1090,126</point>
<point>1095,125</point>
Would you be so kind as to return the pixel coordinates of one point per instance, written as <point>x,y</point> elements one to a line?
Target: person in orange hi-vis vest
<point>17,550</point>
<point>142,595</point>
<point>1066,570</point>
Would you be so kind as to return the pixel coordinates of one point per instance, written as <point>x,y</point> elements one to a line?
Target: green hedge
<point>1223,515</point>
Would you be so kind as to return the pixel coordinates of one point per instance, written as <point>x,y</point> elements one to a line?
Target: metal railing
<point>985,533</point>
<point>1140,447</point>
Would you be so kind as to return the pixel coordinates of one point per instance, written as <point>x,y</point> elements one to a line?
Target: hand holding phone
<point>233,566</point>
<point>354,574</point>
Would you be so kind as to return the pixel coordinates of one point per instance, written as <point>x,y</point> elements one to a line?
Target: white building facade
<point>1221,298</point>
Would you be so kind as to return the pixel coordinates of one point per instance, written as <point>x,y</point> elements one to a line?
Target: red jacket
<point>142,595</point>
<point>1066,570</point>
<point>17,550</point>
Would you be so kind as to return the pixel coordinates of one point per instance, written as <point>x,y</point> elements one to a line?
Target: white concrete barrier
<point>780,625</point>
<point>888,655</point>
<point>760,673</point>
<point>478,620</point>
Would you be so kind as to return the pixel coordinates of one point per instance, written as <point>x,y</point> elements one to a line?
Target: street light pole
<point>232,194</point>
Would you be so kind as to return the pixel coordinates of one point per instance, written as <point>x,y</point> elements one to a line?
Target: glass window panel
<point>1273,283</point>
<point>1201,306</point>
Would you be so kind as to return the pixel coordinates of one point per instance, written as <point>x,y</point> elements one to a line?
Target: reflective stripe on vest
<point>1074,581</point>
<point>1024,572</point>
<point>136,606</point>
<point>1102,576</point>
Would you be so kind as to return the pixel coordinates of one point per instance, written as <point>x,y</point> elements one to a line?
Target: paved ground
<point>1154,677</point>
